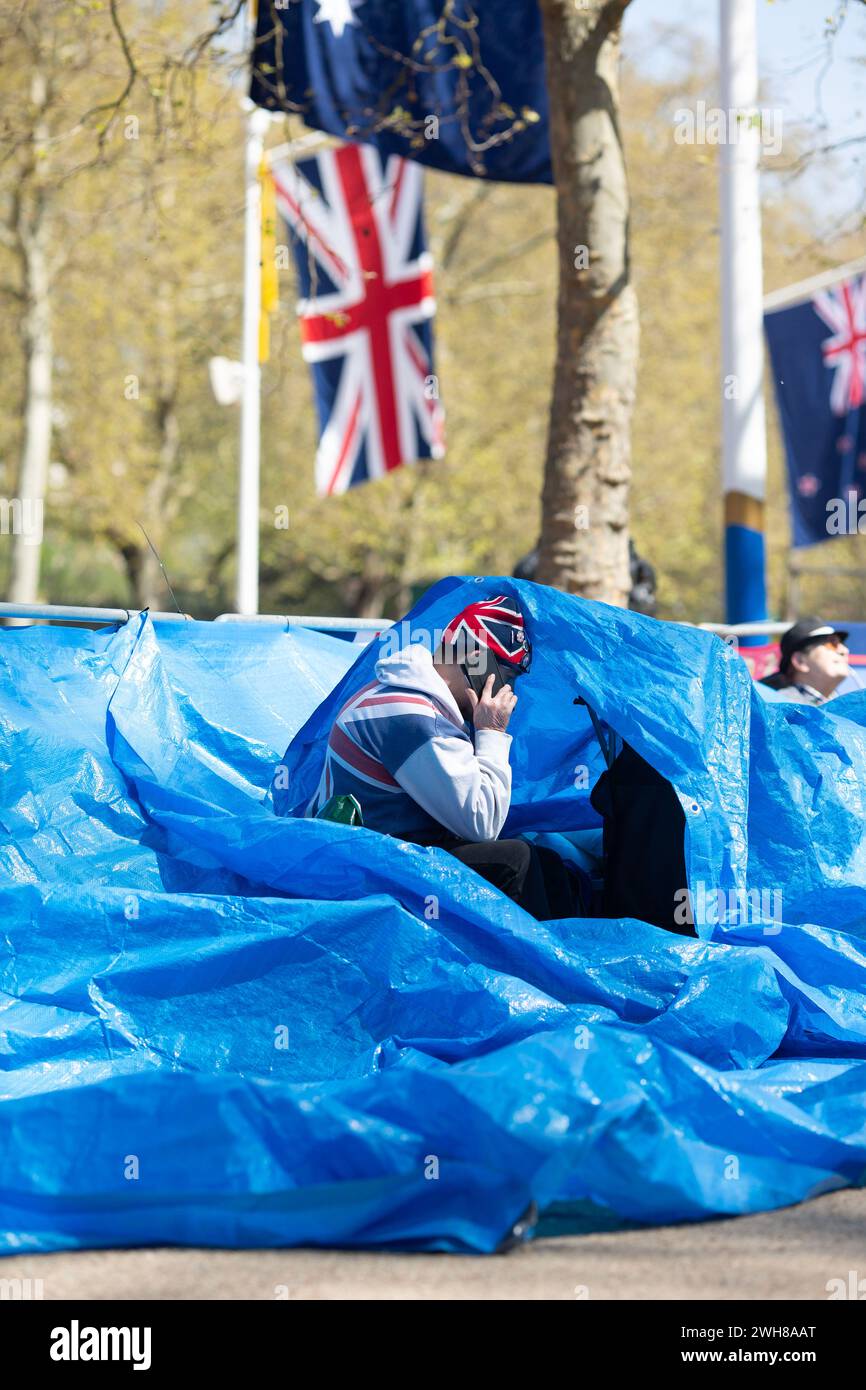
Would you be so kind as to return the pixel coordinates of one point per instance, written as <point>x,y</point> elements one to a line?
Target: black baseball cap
<point>806,632</point>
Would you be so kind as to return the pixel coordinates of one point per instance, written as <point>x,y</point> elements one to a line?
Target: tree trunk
<point>33,241</point>
<point>146,581</point>
<point>584,532</point>
<point>161,500</point>
<point>366,591</point>
<point>132,555</point>
<point>159,504</point>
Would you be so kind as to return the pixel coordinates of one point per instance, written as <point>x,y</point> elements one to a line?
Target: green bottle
<point>344,809</point>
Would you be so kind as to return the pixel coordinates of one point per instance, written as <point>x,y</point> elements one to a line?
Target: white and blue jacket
<point>401,746</point>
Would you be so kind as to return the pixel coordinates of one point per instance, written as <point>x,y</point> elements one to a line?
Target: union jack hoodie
<point>401,746</point>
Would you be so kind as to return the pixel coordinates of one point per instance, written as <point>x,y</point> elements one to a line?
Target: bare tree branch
<point>132,72</point>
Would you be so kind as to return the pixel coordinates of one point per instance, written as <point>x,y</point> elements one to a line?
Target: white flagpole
<point>247,593</point>
<point>744,437</point>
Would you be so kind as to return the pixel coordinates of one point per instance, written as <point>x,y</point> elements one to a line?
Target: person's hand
<point>492,711</point>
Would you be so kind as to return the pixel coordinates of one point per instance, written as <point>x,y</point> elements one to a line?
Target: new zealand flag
<point>818,355</point>
<point>459,86</point>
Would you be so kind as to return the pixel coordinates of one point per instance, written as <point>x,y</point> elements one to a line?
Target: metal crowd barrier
<point>371,625</point>
<point>73,613</point>
<point>21,614</point>
<point>765,629</point>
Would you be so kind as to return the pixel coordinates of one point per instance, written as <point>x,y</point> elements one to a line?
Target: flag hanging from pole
<point>456,84</point>
<point>366,283</point>
<point>818,354</point>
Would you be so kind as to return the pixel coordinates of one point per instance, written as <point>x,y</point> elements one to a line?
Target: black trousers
<point>534,877</point>
<point>644,844</point>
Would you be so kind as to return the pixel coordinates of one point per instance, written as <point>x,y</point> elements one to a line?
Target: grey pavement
<point>789,1254</point>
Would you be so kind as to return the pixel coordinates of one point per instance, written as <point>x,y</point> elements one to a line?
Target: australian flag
<point>366,280</point>
<point>459,86</point>
<point>818,356</point>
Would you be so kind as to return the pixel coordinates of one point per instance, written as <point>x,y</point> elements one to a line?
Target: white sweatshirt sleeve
<point>466,789</point>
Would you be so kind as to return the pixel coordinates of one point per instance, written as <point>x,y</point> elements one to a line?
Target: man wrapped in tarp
<point>424,750</point>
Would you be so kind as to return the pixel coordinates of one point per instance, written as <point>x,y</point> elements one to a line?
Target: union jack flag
<point>495,623</point>
<point>366,307</point>
<point>844,310</point>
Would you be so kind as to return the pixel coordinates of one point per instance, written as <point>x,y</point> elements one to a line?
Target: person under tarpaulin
<point>425,748</point>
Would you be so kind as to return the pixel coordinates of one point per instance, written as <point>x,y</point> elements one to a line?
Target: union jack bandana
<point>494,623</point>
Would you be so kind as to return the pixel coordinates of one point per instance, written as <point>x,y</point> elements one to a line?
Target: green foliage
<point>150,289</point>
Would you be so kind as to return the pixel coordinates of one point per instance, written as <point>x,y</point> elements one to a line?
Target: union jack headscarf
<point>494,623</point>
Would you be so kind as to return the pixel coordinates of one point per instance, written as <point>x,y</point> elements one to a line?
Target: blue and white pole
<point>744,435</point>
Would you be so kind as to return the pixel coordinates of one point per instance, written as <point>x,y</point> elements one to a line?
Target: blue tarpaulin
<point>222,1026</point>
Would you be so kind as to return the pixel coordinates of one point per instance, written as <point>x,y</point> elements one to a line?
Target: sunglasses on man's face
<point>833,641</point>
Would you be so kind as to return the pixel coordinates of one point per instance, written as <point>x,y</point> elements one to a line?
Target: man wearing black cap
<point>813,662</point>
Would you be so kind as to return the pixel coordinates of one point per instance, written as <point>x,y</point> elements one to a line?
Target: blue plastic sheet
<point>223,1026</point>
